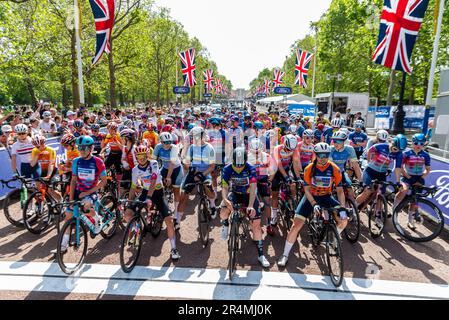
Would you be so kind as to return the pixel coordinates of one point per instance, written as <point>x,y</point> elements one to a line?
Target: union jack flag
<point>208,79</point>
<point>218,86</point>
<point>278,75</point>
<point>302,65</point>
<point>399,26</point>
<point>188,67</point>
<point>104,14</point>
<point>266,87</point>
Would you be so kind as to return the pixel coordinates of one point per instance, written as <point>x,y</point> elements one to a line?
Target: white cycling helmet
<point>255,145</point>
<point>293,128</point>
<point>165,136</point>
<point>358,124</point>
<point>21,128</point>
<point>290,142</point>
<point>336,123</point>
<point>345,130</point>
<point>322,147</point>
<point>382,135</point>
<point>340,135</point>
<point>307,133</point>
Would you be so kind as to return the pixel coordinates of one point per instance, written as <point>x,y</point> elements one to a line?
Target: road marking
<point>196,283</point>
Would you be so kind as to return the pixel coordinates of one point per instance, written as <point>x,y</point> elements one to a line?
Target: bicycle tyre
<point>108,234</point>
<point>371,217</point>
<point>29,221</point>
<point>438,226</point>
<point>355,223</point>
<point>335,275</point>
<point>232,249</point>
<point>125,241</point>
<point>60,255</point>
<point>203,222</point>
<point>7,202</point>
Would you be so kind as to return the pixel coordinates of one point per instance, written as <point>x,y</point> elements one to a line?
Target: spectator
<point>349,118</point>
<point>47,125</point>
<point>34,125</point>
<point>71,115</point>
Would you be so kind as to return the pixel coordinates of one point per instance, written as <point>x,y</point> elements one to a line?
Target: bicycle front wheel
<point>334,255</point>
<point>203,222</point>
<point>12,208</point>
<point>37,213</point>
<point>352,230</point>
<point>233,248</point>
<point>422,225</point>
<point>377,217</point>
<point>131,244</point>
<point>108,214</point>
<point>71,257</point>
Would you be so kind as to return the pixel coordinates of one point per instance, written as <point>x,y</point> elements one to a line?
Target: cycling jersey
<point>97,141</point>
<point>382,158</point>
<point>152,137</point>
<point>167,156</point>
<point>236,136</point>
<point>112,141</point>
<point>322,181</point>
<point>200,157</point>
<point>357,137</point>
<point>283,126</point>
<point>284,157</point>
<point>145,175</point>
<point>305,153</point>
<point>45,158</point>
<point>239,178</point>
<point>415,163</point>
<point>88,172</point>
<point>341,157</point>
<point>218,140</point>
<point>128,158</point>
<point>263,163</point>
<point>23,150</point>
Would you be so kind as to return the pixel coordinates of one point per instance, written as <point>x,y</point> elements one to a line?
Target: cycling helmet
<point>6,128</point>
<point>247,117</point>
<point>21,128</point>
<point>144,116</point>
<point>320,126</point>
<point>290,142</point>
<point>239,157</point>
<point>84,141</point>
<point>235,118</point>
<point>258,125</point>
<point>255,145</point>
<point>358,124</point>
<point>150,126</point>
<point>322,147</point>
<point>127,133</point>
<point>400,142</point>
<point>112,126</point>
<point>78,124</point>
<point>191,126</point>
<point>284,115</point>
<point>38,141</point>
<point>128,123</point>
<point>198,132</point>
<point>307,133</point>
<point>169,120</point>
<point>167,128</point>
<point>382,135</point>
<point>215,121</point>
<point>165,136</point>
<point>68,139</point>
<point>141,149</point>
<point>340,135</point>
<point>95,127</point>
<point>419,137</point>
<point>336,123</point>
<point>293,128</point>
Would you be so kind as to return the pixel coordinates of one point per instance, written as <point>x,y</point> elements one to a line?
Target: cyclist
<point>128,157</point>
<point>151,135</point>
<point>217,138</point>
<point>305,148</point>
<point>114,144</point>
<point>319,178</point>
<point>381,137</point>
<point>265,170</point>
<point>199,163</point>
<point>146,175</point>
<point>242,178</point>
<point>172,172</point>
<point>283,124</point>
<point>284,156</point>
<point>379,157</point>
<point>21,150</point>
<point>358,138</point>
<point>88,177</point>
<point>78,124</point>
<point>236,135</point>
<point>98,138</point>
<point>415,168</point>
<point>71,152</point>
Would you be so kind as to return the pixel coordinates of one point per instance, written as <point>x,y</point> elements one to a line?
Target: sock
<point>212,203</point>
<point>287,248</point>
<point>259,244</point>
<point>65,240</point>
<point>173,242</point>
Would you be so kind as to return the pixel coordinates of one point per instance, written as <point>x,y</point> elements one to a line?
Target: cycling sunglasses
<point>339,141</point>
<point>84,148</point>
<point>322,155</point>
<point>167,142</point>
<point>418,143</point>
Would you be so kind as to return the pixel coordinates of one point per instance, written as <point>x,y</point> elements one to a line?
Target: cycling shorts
<point>176,176</point>
<point>305,209</point>
<point>28,171</point>
<point>189,178</point>
<point>243,199</point>
<point>413,180</point>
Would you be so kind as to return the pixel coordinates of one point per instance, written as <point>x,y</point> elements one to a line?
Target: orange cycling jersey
<point>113,141</point>
<point>70,156</point>
<point>152,137</point>
<point>321,183</point>
<point>45,158</point>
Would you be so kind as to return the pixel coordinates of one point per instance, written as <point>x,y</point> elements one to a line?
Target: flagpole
<point>177,99</point>
<point>433,67</point>
<point>78,52</point>
<point>314,63</point>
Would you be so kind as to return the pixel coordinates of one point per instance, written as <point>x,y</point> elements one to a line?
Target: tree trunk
<point>75,89</point>
<point>167,98</point>
<point>391,87</point>
<point>64,95</point>
<point>411,97</point>
<point>112,78</point>
<point>30,87</point>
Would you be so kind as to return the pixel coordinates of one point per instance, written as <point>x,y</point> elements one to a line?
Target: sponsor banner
<point>6,172</point>
<point>307,110</point>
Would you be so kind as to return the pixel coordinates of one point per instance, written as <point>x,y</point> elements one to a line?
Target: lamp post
<point>335,77</point>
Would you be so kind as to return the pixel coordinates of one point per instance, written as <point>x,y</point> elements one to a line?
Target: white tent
<point>296,98</point>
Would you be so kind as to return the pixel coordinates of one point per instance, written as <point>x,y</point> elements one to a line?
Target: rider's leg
<point>401,194</point>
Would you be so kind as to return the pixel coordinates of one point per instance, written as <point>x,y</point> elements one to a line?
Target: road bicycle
<point>287,202</point>
<point>144,220</point>
<point>352,230</point>
<point>323,228</point>
<point>239,230</point>
<point>78,227</point>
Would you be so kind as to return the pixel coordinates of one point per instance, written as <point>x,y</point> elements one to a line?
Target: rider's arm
<point>277,158</point>
<point>338,178</point>
<point>341,196</point>
<point>309,195</point>
<point>357,170</point>
<point>211,158</point>
<point>252,194</point>
<point>34,157</point>
<point>297,163</point>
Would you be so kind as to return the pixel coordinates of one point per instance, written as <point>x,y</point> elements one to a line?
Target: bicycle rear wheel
<point>352,230</point>
<point>37,213</point>
<point>334,255</point>
<point>71,260</point>
<point>426,229</point>
<point>203,221</point>
<point>377,221</point>
<point>156,223</point>
<point>233,248</point>
<point>131,244</point>
<point>12,208</point>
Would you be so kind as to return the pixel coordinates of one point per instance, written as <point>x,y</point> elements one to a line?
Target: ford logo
<point>181,90</point>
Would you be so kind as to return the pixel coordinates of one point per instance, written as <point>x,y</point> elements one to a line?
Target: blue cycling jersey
<point>341,157</point>
<point>167,156</point>
<point>415,163</point>
<point>239,178</point>
<point>357,137</point>
<point>382,158</point>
